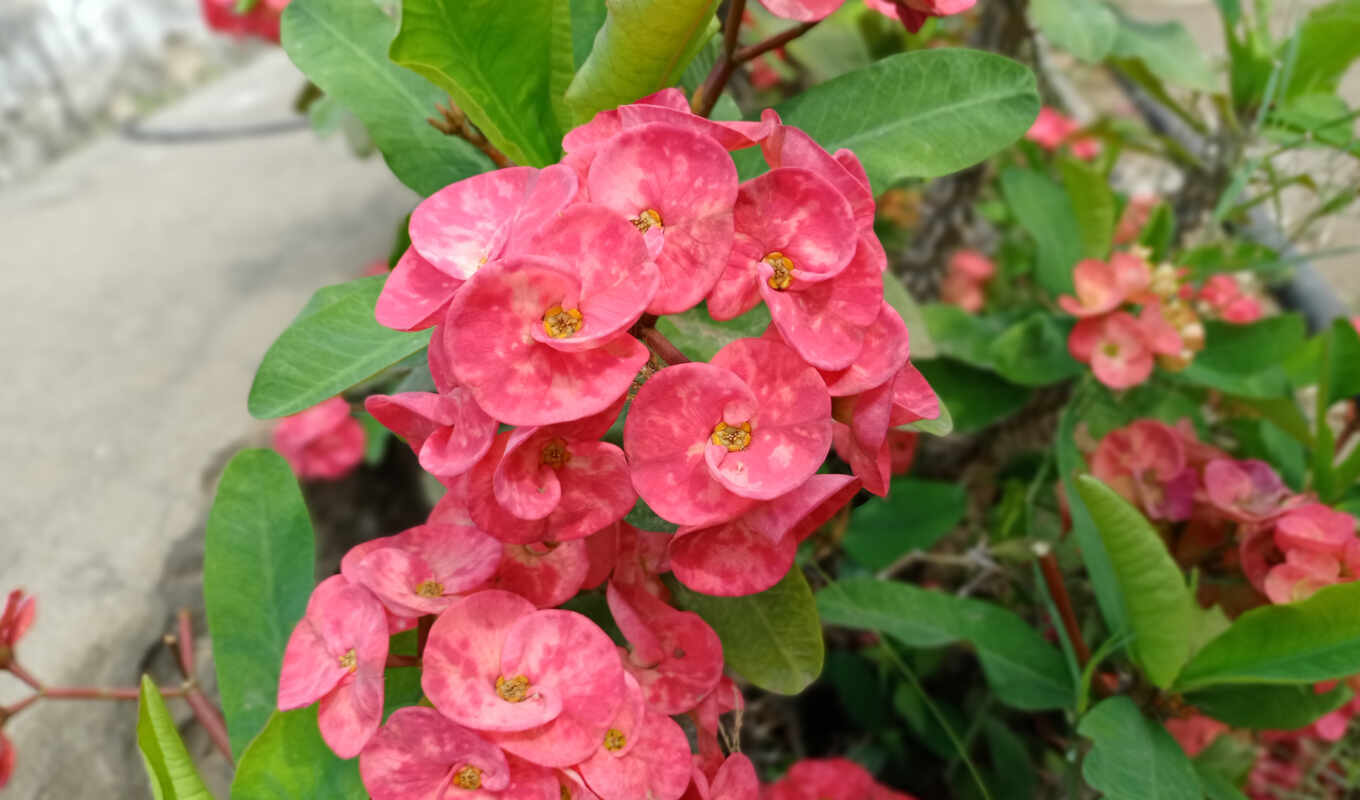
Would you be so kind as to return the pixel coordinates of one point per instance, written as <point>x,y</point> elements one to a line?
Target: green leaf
<point>772,639</point>
<point>1167,49</point>
<point>1134,758</point>
<point>587,17</point>
<point>328,350</point>
<point>289,760</point>
<point>975,398</point>
<point>1329,42</point>
<point>1084,28</point>
<point>1268,706</point>
<point>1093,204</point>
<point>495,58</point>
<point>1045,211</point>
<point>341,46</point>
<point>1245,359</point>
<point>1156,601</point>
<point>914,515</point>
<point>1012,774</point>
<point>171,772</point>
<point>1025,671</point>
<point>699,336</point>
<point>644,518</point>
<point>920,114</point>
<point>1312,640</point>
<point>943,425</point>
<point>644,46</point>
<point>1230,760</point>
<point>1159,233</point>
<point>1033,351</point>
<point>257,577</point>
<point>958,334</point>
<point>1345,361</point>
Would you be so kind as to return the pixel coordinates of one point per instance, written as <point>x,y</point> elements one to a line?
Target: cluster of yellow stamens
<point>615,740</point>
<point>646,220</point>
<point>555,454</point>
<point>469,777</point>
<point>349,660</point>
<point>430,589</point>
<point>562,322</point>
<point>512,690</point>
<point>733,437</point>
<point>783,270</point>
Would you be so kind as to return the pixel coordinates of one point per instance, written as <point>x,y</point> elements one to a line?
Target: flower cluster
<point>543,287</point>
<point>1052,130</point>
<point>912,13</point>
<point>1238,512</point>
<point>261,19</point>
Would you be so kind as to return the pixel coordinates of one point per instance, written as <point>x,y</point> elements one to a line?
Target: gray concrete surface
<point>140,286</point>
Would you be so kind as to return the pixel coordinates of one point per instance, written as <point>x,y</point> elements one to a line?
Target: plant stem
<point>709,91</point>
<point>1048,564</point>
<point>98,693</point>
<point>778,40</point>
<point>453,122</point>
<point>399,660</point>
<point>207,714</point>
<point>24,675</point>
<point>662,346</point>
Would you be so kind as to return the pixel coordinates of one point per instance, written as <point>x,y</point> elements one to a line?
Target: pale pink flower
<point>322,443</point>
<point>1052,129</point>
<point>448,432</point>
<point>801,10</point>
<point>423,569</point>
<point>1115,348</point>
<point>674,655</point>
<point>1246,490</point>
<point>1135,215</point>
<point>965,279</point>
<point>1138,461</point>
<point>1102,287</point>
<point>20,609</point>
<point>787,146</point>
<point>643,754</point>
<point>420,753</point>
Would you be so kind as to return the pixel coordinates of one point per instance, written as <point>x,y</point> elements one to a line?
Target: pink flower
<point>448,432</point>
<point>1300,576</point>
<point>6,760</point>
<point>787,146</point>
<point>1135,215</point>
<point>423,569</point>
<point>902,450</point>
<point>460,228</point>
<point>914,13</point>
<point>965,280</point>
<point>1052,129</point>
<point>544,685</point>
<point>751,553</point>
<point>555,482</point>
<point>1246,490</point>
<point>1139,460</point>
<point>860,436</point>
<point>322,443</point>
<point>830,779</point>
<point>883,355</point>
<point>1225,297</point>
<point>337,655</point>
<point>419,753</point>
<point>643,754</point>
<point>1195,733</point>
<point>735,779</point>
<point>677,187</point>
<point>801,10</point>
<point>261,21</point>
<point>640,558</point>
<point>1102,287</point>
<point>826,321</point>
<point>1320,548</point>
<point>546,575</point>
<point>675,656</point>
<point>542,340</point>
<point>1316,528</point>
<point>706,440</point>
<point>1114,347</point>
<point>19,611</point>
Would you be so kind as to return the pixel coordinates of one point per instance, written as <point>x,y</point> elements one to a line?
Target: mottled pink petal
<point>1317,528</point>
<point>418,752</point>
<point>738,288</point>
<point>423,568</point>
<point>885,352</point>
<point>341,616</point>
<point>602,550</point>
<point>441,366</point>
<point>730,559</point>
<point>596,491</point>
<point>861,435</point>
<point>676,657</point>
<point>787,146</point>
<point>657,767</point>
<point>735,780</point>
<point>324,442</point>
<point>913,399</point>
<point>349,716</point>
<point>528,781</point>
<point>415,295</point>
<point>798,214</point>
<point>1098,289</point>
<point>1246,490</point>
<point>545,575</point>
<point>448,432</point>
<point>801,10</point>
<point>826,322</point>
<point>524,483</point>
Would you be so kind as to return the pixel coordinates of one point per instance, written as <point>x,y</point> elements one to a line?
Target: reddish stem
<point>399,660</point>
<point>1048,565</point>
<point>423,626</point>
<point>711,89</point>
<point>185,651</point>
<point>6,713</point>
<point>24,675</point>
<point>778,40</point>
<point>207,714</point>
<point>663,347</point>
<point>99,693</point>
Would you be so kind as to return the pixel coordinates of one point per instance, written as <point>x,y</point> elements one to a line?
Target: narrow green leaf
<point>1045,211</point>
<point>1084,28</point>
<point>920,114</point>
<point>561,62</point>
<point>1093,203</point>
<point>1268,706</point>
<point>496,59</point>
<point>1157,604</point>
<point>644,46</point>
<point>1012,775</point>
<point>1025,671</point>
<point>171,772</point>
<point>342,47</point>
<point>289,760</point>
<point>772,639</point>
<point>1033,351</point>
<point>257,576</point>
<point>914,515</point>
<point>327,350</point>
<point>1345,361</point>
<point>1312,640</point>
<point>1134,758</point>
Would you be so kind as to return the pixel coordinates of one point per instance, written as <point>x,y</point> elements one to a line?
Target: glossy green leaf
<point>772,639</point>
<point>958,334</point>
<point>1312,640</point>
<point>1025,671</point>
<point>169,769</point>
<point>1033,351</point>
<point>587,17</point>
<point>975,398</point>
<point>914,515</point>
<point>335,346</point>
<point>1084,28</point>
<point>495,58</point>
<point>1044,210</point>
<point>1268,706</point>
<point>1156,601</point>
<point>289,759</point>
<point>257,576</point>
<point>920,114</point>
<point>342,47</point>
<point>1168,50</point>
<point>643,46</point>
<point>644,518</point>
<point>699,336</point>
<point>1245,359</point>
<point>1134,758</point>
<point>1093,203</point>
<point>1329,42</point>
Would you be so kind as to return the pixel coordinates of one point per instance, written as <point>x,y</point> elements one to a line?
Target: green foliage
<point>919,114</point>
<point>1093,203</point>
<point>1167,50</point>
<point>342,47</point>
<point>643,46</point>
<point>169,769</point>
<point>1045,211</point>
<point>1312,640</point>
<point>1033,351</point>
<point>1134,758</point>
<point>975,398</point>
<point>587,17</point>
<point>1268,706</point>
<point>496,59</point>
<point>332,345</point>
<point>257,576</point>
<point>1025,671</point>
<point>1084,28</point>
<point>1156,602</point>
<point>1329,42</point>
<point>699,336</point>
<point>914,515</point>
<point>1224,765</point>
<point>772,639</point>
<point>1245,359</point>
<point>289,759</point>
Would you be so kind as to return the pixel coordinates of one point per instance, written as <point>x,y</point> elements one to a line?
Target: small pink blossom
<point>641,557</point>
<point>1315,527</point>
<point>1224,295</point>
<point>860,436</point>
<point>416,294</point>
<point>675,656</point>
<point>1138,461</point>
<point>20,609</point>
<point>423,569</point>
<point>1114,346</point>
<point>449,432</point>
<point>914,13</point>
<point>261,21</point>
<point>706,440</point>
<point>830,779</point>
<point>322,443</point>
<point>1134,217</point>
<point>1051,130</point>
<point>913,399</point>
<point>420,753</point>
<point>965,279</point>
<point>546,575</point>
<point>1102,286</point>
<point>6,760</point>
<point>1246,490</point>
<point>884,354</point>
<point>337,655</point>
<point>801,10</point>
<point>643,754</point>
<point>787,146</point>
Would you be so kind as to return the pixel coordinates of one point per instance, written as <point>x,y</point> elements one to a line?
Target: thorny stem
<point>1048,565</point>
<point>731,57</point>
<point>453,122</point>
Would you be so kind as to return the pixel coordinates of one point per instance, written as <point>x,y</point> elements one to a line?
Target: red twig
<point>453,122</point>
<point>207,714</point>
<point>663,347</point>
<point>24,675</point>
<point>99,693</point>
<point>423,626</point>
<point>711,89</point>
<point>778,40</point>
<point>1048,565</point>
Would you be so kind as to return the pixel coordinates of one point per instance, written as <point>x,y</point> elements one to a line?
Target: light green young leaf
<point>1329,42</point>
<point>643,47</point>
<point>772,639</point>
<point>498,60</point>
<point>1093,203</point>
<point>333,345</point>
<point>896,295</point>
<point>1134,758</point>
<point>1045,211</point>
<point>257,577</point>
<point>171,772</point>
<point>289,760</point>
<point>342,47</point>
<point>1084,28</point>
<point>1156,602</point>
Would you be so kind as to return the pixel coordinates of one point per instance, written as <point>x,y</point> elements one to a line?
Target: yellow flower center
<point>733,437</point>
<point>783,271</point>
<point>512,690</point>
<point>646,220</point>
<point>349,660</point>
<point>469,777</point>
<point>430,589</point>
<point>562,322</point>
<point>615,740</point>
<point>555,454</point>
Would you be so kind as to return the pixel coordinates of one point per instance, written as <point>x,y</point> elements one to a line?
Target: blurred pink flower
<point>322,443</point>
<point>1052,129</point>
